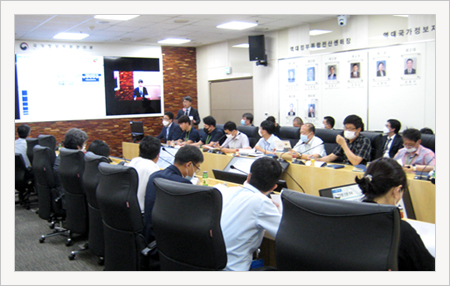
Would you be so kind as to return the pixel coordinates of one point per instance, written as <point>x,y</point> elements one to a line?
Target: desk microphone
<point>233,167</point>
<point>311,148</point>
<point>167,151</point>
<point>165,160</point>
<point>421,177</point>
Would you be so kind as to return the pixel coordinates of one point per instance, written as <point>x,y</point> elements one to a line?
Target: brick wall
<point>180,79</point>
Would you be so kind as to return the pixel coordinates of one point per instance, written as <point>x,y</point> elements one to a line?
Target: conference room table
<point>312,179</point>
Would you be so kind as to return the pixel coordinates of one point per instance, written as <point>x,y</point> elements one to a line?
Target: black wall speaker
<point>257,48</point>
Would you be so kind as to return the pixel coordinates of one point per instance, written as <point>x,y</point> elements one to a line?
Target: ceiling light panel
<point>116,17</point>
<point>237,25</point>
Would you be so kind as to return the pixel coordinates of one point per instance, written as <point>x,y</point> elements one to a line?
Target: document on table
<point>427,232</point>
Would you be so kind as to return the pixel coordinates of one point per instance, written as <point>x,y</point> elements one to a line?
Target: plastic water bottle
<point>205,178</point>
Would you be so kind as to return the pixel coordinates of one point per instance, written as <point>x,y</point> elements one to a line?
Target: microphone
<point>421,177</point>
<point>233,167</point>
<point>311,148</point>
<point>280,159</point>
<point>165,160</point>
<point>164,149</point>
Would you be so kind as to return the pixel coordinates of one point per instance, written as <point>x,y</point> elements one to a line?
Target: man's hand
<point>340,140</point>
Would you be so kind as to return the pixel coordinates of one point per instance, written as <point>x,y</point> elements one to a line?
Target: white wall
<point>364,31</point>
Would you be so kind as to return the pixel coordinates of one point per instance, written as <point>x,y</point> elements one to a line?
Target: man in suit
<point>355,71</point>
<point>171,131</point>
<point>381,71</point>
<point>311,112</point>
<point>140,91</point>
<point>332,75</point>
<point>409,67</point>
<point>291,111</point>
<point>189,111</point>
<point>310,74</point>
<point>391,141</point>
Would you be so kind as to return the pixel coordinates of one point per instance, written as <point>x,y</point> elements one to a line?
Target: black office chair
<point>48,141</point>
<point>186,223</point>
<point>50,204</point>
<point>91,178</point>
<point>290,133</point>
<point>31,142</point>
<point>251,132</point>
<point>122,218</point>
<point>428,141</point>
<point>24,183</point>
<point>318,233</point>
<point>71,169</point>
<point>375,141</point>
<point>328,137</point>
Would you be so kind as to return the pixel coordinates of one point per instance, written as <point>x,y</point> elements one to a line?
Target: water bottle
<point>205,178</point>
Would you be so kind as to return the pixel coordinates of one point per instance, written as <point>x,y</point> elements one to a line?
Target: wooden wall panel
<point>180,79</point>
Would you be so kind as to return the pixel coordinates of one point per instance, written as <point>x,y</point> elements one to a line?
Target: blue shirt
<point>170,173</point>
<point>268,145</point>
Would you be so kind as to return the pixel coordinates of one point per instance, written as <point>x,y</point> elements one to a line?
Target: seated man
<point>20,145</point>
<point>297,122</point>
<point>210,135</point>
<point>247,212</point>
<point>415,157</point>
<point>267,143</point>
<point>186,165</point>
<point>391,141</point>
<point>145,165</point>
<point>247,119</point>
<point>235,139</point>
<point>188,110</point>
<point>309,146</point>
<point>354,148</point>
<point>190,134</point>
<point>171,131</point>
<point>328,122</point>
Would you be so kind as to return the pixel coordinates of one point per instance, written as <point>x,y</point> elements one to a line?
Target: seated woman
<point>383,183</point>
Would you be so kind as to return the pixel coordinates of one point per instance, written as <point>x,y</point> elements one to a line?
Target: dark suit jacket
<point>174,132</point>
<point>193,112</point>
<point>396,145</point>
<point>291,113</point>
<point>353,76</point>
<point>413,71</point>
<point>379,73</point>
<point>137,94</point>
<point>332,76</point>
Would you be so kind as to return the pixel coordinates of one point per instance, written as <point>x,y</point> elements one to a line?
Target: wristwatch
<point>414,168</point>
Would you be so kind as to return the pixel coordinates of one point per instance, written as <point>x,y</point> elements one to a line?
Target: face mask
<point>242,121</point>
<point>411,150</point>
<point>165,123</point>
<point>386,130</point>
<point>304,138</point>
<point>322,126</point>
<point>259,132</point>
<point>229,136</point>
<point>189,177</point>
<point>206,130</point>
<point>349,134</point>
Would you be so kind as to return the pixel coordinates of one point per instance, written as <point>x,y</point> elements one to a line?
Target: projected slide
<point>58,87</point>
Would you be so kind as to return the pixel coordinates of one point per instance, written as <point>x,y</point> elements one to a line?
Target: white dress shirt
<point>20,146</point>
<point>144,168</point>
<point>386,153</point>
<point>246,213</point>
<point>268,144</point>
<point>240,141</point>
<point>315,141</point>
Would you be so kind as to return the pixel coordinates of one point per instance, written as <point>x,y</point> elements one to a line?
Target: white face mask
<point>229,136</point>
<point>190,177</point>
<point>386,130</point>
<point>322,126</point>
<point>349,134</point>
<point>165,123</point>
<point>259,132</point>
<point>411,150</point>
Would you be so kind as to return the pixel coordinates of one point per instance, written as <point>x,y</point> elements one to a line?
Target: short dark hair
<point>139,81</point>
<point>311,127</point>
<point>169,114</point>
<point>269,126</point>
<point>385,173</point>
<point>188,153</point>
<point>184,119</point>
<point>230,126</point>
<point>74,138</point>
<point>271,118</point>
<point>409,60</point>
<point>412,134</point>
<point>100,148</point>
<point>23,131</point>
<point>188,98</point>
<point>426,130</point>
<point>209,120</point>
<point>395,124</point>
<point>354,65</point>
<point>265,173</point>
<point>149,147</point>
<point>248,116</point>
<point>329,120</point>
<point>298,120</point>
<point>355,120</point>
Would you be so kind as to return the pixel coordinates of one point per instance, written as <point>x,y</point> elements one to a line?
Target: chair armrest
<point>149,248</point>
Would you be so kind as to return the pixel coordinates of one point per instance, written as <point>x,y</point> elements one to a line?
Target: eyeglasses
<point>350,129</point>
<point>198,169</point>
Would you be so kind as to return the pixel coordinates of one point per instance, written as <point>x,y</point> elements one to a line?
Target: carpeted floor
<point>52,255</point>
